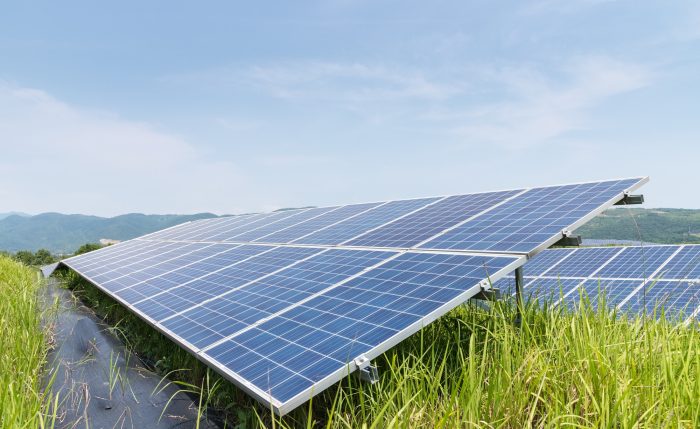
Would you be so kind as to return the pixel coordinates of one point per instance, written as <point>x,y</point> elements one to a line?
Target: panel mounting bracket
<point>366,371</point>
<point>630,199</point>
<point>487,292</point>
<point>568,239</point>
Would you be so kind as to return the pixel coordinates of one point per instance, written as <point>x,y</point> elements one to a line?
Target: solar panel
<point>285,303</point>
<point>431,220</point>
<point>636,279</point>
<point>534,219</point>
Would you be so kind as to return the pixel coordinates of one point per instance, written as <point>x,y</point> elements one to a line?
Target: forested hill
<point>62,233</point>
<point>669,226</point>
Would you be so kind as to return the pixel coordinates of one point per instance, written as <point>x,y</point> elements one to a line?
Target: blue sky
<point>181,107</point>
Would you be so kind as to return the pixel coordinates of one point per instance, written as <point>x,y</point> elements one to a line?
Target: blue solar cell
<point>545,261</point>
<point>549,290</point>
<point>225,280</point>
<point>199,253</point>
<point>319,337</point>
<point>106,253</point>
<point>684,265</point>
<point>232,312</point>
<point>148,295</point>
<point>583,262</point>
<point>204,231</point>
<point>612,291</point>
<point>253,234</point>
<point>431,220</point>
<point>676,300</point>
<point>351,228</point>
<point>181,229</point>
<point>312,225</point>
<point>115,266</point>
<point>637,262</point>
<point>523,223</point>
<point>258,221</point>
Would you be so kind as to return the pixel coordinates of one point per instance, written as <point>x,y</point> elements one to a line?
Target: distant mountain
<point>4,215</point>
<point>668,226</point>
<point>62,233</point>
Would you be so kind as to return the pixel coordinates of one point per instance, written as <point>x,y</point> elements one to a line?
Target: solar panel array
<point>285,303</point>
<point>647,280</point>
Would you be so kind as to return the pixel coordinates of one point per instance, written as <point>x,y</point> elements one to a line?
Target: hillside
<point>654,225</point>
<point>62,233</point>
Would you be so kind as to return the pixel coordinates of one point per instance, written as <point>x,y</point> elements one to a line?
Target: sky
<point>228,107</point>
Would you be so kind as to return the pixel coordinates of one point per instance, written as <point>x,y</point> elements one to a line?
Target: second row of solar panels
<point>506,221</point>
<point>636,279</point>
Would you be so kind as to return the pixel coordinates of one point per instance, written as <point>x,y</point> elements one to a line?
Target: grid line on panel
<point>230,259</point>
<point>144,259</point>
<point>310,214</point>
<point>675,298</point>
<point>108,253</point>
<point>379,263</point>
<point>638,262</point>
<point>285,259</point>
<point>329,315</point>
<point>223,223</point>
<point>264,219</point>
<point>182,228</point>
<point>223,228</point>
<point>685,265</point>
<point>594,273</point>
<point>535,217</point>
<point>584,262</point>
<point>262,298</point>
<point>161,267</point>
<point>662,251</point>
<point>431,220</point>
<point>318,223</point>
<point>140,255</point>
<point>356,225</point>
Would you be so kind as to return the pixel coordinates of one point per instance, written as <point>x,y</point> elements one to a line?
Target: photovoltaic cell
<point>523,223</point>
<point>233,312</point>
<point>431,220</point>
<point>259,222</point>
<point>584,262</point>
<point>546,261</point>
<point>286,355</point>
<point>252,235</point>
<point>637,262</point>
<point>198,254</point>
<point>152,289</point>
<point>357,225</point>
<point>613,292</point>
<point>685,265</point>
<point>177,299</point>
<point>676,300</point>
<point>549,290</point>
<point>312,225</point>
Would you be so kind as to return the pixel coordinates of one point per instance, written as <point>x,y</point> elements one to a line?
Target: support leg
<point>518,295</point>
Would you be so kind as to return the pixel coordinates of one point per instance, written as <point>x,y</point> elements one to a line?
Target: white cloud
<point>538,107</point>
<point>69,159</point>
<point>329,82</point>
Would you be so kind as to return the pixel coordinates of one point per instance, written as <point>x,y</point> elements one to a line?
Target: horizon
<point>173,108</point>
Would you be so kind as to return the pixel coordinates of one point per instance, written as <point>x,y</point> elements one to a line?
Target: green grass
<point>23,348</point>
<point>474,368</point>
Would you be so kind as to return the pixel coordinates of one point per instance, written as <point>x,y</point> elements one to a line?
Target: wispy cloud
<point>328,81</point>
<point>535,106</point>
<point>97,162</point>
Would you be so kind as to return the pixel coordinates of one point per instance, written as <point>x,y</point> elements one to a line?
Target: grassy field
<point>23,348</point>
<point>474,368</point>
